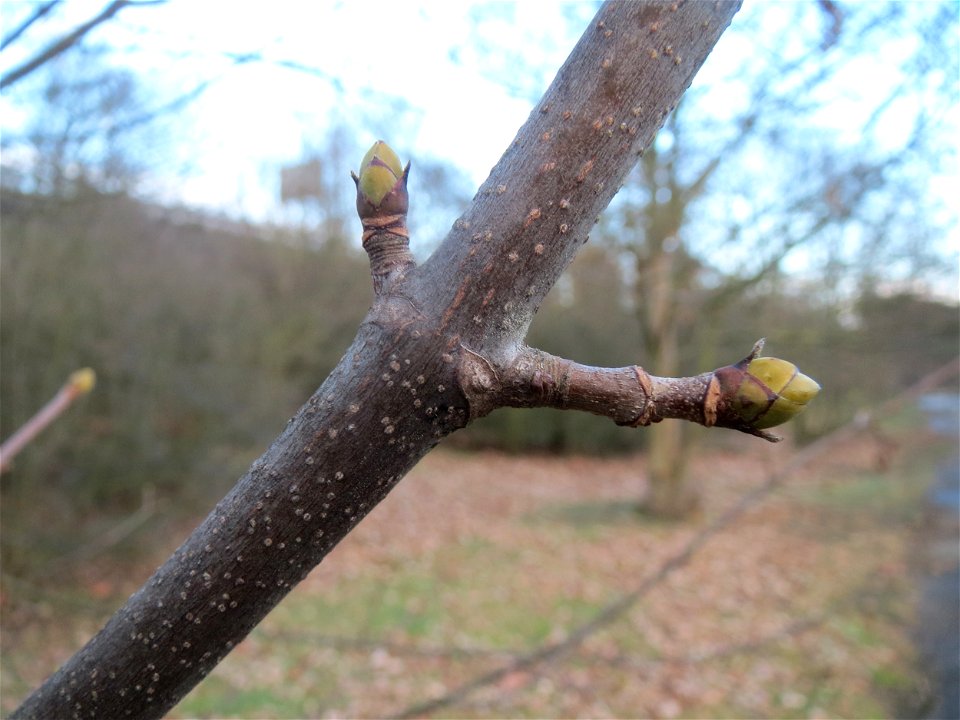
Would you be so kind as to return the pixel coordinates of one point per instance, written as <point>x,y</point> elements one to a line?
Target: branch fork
<point>409,379</point>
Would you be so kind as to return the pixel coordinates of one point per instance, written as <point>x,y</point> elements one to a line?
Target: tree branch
<point>78,384</point>
<point>64,43</point>
<point>41,10</point>
<point>396,393</point>
<point>627,395</point>
<point>535,209</point>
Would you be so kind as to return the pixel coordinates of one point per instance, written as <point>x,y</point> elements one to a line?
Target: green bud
<point>772,392</point>
<point>751,399</point>
<point>382,154</point>
<point>380,172</point>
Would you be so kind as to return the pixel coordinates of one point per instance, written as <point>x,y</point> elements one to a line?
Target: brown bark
<point>406,381</point>
<point>628,395</point>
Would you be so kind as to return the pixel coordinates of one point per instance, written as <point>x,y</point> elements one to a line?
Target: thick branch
<point>536,209</point>
<point>397,390</point>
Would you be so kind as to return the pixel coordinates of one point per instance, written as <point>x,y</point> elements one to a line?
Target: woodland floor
<point>805,607</point>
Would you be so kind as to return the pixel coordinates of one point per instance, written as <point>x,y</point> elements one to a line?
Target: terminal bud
<point>763,392</point>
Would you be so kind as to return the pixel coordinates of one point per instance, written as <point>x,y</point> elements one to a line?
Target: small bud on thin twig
<point>79,383</point>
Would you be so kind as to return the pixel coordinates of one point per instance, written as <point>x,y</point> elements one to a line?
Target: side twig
<point>79,383</point>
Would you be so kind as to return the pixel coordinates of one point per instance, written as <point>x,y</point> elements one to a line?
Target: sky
<point>442,79</point>
<point>257,115</point>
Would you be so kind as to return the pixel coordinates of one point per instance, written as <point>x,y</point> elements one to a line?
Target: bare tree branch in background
<point>41,10</point>
<point>64,43</point>
<point>178,103</point>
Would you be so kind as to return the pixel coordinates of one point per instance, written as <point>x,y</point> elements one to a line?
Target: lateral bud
<point>382,203</point>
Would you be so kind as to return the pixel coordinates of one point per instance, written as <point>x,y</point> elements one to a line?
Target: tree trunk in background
<point>442,345</point>
<point>663,280</point>
<point>669,494</point>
